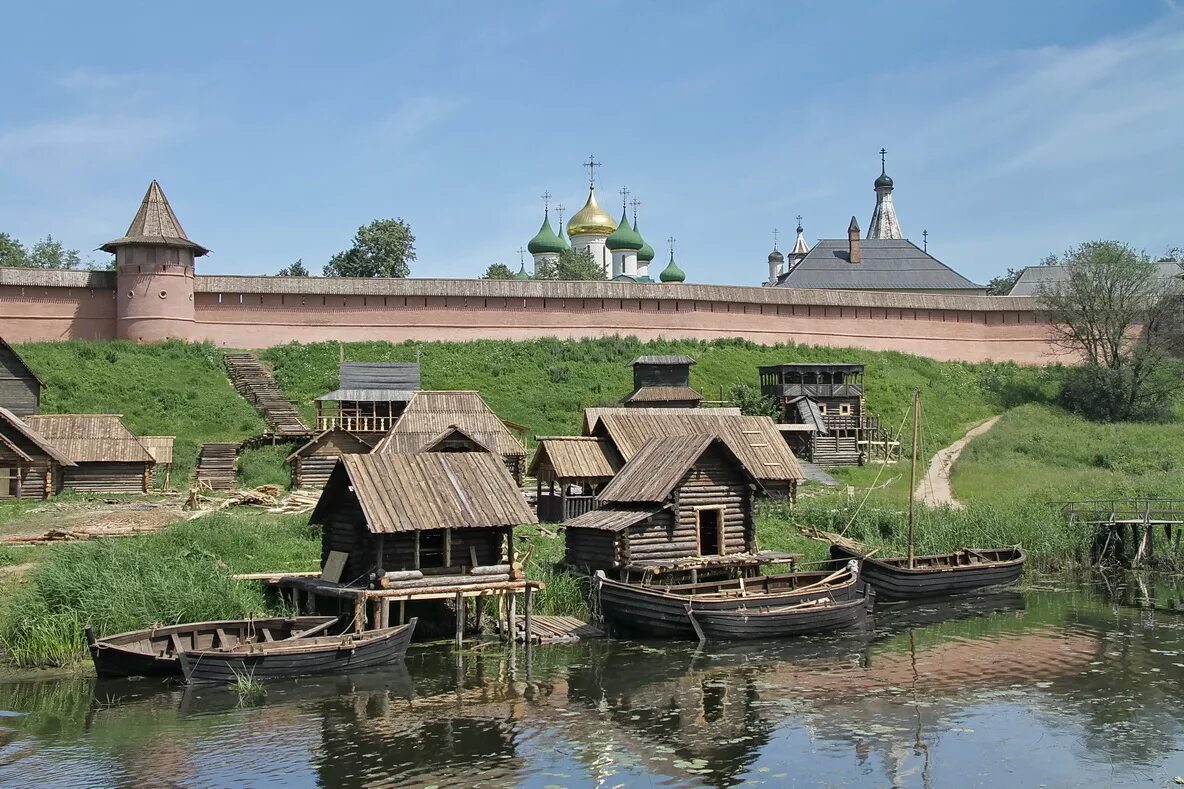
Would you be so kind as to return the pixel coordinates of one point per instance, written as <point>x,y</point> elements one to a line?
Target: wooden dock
<point>555,630</point>
<point>1140,518</point>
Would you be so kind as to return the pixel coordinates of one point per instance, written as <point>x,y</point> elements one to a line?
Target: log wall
<point>588,550</point>
<point>107,478</point>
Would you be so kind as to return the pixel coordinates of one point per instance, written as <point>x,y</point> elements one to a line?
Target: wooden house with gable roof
<point>106,457</point>
<point>678,497</point>
<point>314,461</point>
<point>454,422</point>
<point>662,382</point>
<point>370,398</point>
<point>20,388</point>
<point>569,472</point>
<point>30,466</point>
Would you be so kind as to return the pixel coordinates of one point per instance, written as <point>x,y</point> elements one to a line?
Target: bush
<point>1102,394</point>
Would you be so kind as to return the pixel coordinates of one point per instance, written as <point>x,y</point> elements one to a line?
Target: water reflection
<point>935,694</point>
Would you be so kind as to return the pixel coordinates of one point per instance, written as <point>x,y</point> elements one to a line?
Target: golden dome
<point>591,220</point>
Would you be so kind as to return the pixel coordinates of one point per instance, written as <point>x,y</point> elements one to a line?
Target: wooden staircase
<point>254,382</point>
<point>216,465</point>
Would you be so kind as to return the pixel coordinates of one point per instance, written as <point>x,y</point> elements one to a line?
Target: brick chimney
<point>854,254</point>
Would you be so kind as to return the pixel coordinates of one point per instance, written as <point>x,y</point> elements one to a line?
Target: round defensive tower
<point>154,274</point>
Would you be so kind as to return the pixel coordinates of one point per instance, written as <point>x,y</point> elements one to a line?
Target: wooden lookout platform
<point>1128,522</point>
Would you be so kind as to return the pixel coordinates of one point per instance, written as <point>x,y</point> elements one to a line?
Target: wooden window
<point>710,531</point>
<point>822,408</point>
<point>844,409</point>
<point>431,549</point>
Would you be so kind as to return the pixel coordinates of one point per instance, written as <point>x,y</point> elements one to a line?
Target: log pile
<point>216,465</point>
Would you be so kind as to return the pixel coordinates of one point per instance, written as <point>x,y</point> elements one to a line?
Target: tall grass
<point>564,593</point>
<point>181,574</point>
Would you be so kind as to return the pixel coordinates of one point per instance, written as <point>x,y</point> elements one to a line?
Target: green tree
<point>1122,320</point>
<point>383,248</point>
<point>571,265</point>
<point>498,271</point>
<point>12,253</point>
<point>750,401</point>
<point>297,269</point>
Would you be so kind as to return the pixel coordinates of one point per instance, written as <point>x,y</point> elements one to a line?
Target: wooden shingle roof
<point>91,438</point>
<point>17,361</point>
<point>662,360</point>
<point>156,224</point>
<point>439,490</point>
<point>12,422</point>
<point>657,468</point>
<point>159,447</point>
<point>593,415</point>
<point>430,414</point>
<point>663,394</point>
<point>755,440</point>
<point>614,519</point>
<point>577,457</point>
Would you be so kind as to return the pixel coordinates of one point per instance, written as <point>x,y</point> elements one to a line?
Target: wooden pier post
<point>528,612</point>
<point>460,619</point>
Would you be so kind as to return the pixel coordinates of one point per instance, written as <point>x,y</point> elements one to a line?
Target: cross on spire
<point>775,233</point>
<point>635,203</point>
<point>624,193</point>
<point>799,223</point>
<point>559,209</point>
<point>546,201</point>
<point>521,252</point>
<point>592,164</point>
<point>882,154</point>
<point>925,240</point>
<point>671,241</point>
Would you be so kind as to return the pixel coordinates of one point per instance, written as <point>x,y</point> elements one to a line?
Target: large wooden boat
<point>939,575</point>
<point>319,655</point>
<point>661,610</point>
<point>154,651</point>
<point>749,622</point>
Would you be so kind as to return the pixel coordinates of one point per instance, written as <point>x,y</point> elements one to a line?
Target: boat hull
<point>153,652</point>
<point>661,612</point>
<point>339,655</point>
<point>893,582</point>
<point>768,623</point>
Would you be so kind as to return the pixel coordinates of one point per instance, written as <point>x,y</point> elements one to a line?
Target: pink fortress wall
<point>254,312</point>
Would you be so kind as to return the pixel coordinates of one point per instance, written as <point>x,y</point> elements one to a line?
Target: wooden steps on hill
<point>254,382</point>
<point>831,451</point>
<point>216,465</point>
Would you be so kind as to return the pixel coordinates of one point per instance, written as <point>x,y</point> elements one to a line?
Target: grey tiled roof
<point>380,375</point>
<point>1033,278</point>
<point>887,264</point>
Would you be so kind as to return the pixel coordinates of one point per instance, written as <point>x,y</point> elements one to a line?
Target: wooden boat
<point>914,577</point>
<point>319,655</point>
<point>814,616</point>
<point>153,652</point>
<point>939,575</point>
<point>661,611</point>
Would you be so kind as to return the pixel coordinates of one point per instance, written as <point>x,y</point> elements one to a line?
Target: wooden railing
<point>559,509</point>
<point>1113,511</point>
<point>356,424</point>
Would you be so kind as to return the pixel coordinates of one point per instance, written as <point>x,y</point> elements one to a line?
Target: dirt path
<point>934,488</point>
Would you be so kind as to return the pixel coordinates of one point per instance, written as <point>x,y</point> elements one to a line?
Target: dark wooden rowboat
<point>938,575</point>
<point>153,652</point>
<point>814,616</point>
<point>321,655</point>
<point>661,611</point>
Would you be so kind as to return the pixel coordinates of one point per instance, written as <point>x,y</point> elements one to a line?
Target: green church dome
<point>545,241</point>
<point>624,237</point>
<point>672,273</point>
<point>646,253</point>
<point>521,272</point>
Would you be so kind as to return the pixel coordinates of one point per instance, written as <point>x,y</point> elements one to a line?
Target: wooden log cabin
<point>662,382</point>
<point>678,497</point>
<point>20,388</point>
<point>569,471</point>
<point>313,462</point>
<point>823,413</point>
<point>454,422</point>
<point>30,466</point>
<point>753,439</point>
<point>438,513</point>
<point>107,457</point>
<point>370,398</point>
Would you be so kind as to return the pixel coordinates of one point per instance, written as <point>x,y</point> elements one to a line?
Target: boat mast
<point>913,472</point>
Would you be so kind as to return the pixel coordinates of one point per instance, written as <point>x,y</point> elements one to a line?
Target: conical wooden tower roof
<point>155,223</point>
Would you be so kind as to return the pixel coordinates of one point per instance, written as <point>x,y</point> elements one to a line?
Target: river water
<point>1064,684</point>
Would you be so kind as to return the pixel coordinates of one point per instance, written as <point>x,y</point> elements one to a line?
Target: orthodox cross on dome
<point>925,240</point>
<point>799,217</point>
<point>671,241</point>
<point>546,201</point>
<point>882,154</point>
<point>592,164</point>
<point>559,209</point>
<point>521,252</point>
<point>624,193</point>
<point>775,233</point>
<point>635,204</point>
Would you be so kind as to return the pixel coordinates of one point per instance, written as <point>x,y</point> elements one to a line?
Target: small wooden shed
<point>569,471</point>
<point>662,382</point>
<point>107,457</point>
<point>440,513</point>
<point>30,466</point>
<point>678,497</point>
<point>454,421</point>
<point>20,388</point>
<point>161,450</point>
<point>314,462</point>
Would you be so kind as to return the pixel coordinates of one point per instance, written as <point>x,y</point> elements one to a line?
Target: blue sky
<point>1014,129</point>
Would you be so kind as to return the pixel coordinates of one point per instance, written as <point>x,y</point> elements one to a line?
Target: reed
<point>564,593</point>
<point>248,689</point>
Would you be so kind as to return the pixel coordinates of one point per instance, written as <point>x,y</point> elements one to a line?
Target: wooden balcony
<point>560,509</point>
<point>356,424</point>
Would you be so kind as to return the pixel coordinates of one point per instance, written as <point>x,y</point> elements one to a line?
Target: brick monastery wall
<point>254,312</point>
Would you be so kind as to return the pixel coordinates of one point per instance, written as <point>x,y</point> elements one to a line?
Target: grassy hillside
<point>168,389</point>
